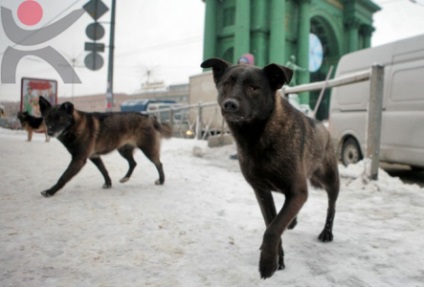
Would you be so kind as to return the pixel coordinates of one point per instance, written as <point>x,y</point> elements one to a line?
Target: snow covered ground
<point>202,228</point>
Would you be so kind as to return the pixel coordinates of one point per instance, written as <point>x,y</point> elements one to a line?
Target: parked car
<point>162,112</point>
<point>141,105</point>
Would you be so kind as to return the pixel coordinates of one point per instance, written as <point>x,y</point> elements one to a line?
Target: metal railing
<point>193,121</point>
<point>376,77</point>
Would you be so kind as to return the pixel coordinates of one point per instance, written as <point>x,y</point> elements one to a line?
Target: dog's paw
<point>281,265</point>
<point>268,265</point>
<point>46,193</point>
<point>124,179</point>
<point>326,236</point>
<point>107,185</point>
<point>158,182</point>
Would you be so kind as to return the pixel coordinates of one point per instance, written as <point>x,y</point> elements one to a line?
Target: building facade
<point>308,36</point>
<point>97,103</point>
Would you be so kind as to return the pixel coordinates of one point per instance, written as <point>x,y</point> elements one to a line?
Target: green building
<point>309,36</point>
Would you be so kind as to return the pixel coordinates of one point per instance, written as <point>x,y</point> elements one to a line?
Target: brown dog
<point>279,148</point>
<point>32,124</point>
<point>89,135</point>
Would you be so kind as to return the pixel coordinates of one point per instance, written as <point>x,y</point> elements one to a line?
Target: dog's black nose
<point>231,105</point>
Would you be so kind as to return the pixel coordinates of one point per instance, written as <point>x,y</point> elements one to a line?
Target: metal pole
<point>199,122</point>
<point>321,94</point>
<point>109,90</point>
<point>340,81</point>
<point>171,117</point>
<point>375,110</point>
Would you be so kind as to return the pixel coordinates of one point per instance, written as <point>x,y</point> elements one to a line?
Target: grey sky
<point>160,36</point>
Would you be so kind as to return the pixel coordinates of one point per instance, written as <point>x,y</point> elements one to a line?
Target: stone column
<point>259,32</point>
<point>366,31</point>
<point>303,46</point>
<point>242,29</point>
<point>277,39</point>
<point>209,40</point>
<point>352,26</point>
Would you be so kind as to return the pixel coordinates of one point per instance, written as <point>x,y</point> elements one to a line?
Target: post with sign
<point>95,31</point>
<point>109,91</point>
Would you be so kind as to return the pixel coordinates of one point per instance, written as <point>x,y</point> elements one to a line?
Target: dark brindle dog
<point>89,135</point>
<point>32,124</point>
<point>279,148</point>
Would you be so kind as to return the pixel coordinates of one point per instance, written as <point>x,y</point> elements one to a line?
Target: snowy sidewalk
<point>202,228</point>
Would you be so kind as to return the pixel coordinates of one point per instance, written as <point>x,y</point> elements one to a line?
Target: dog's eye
<point>226,84</point>
<point>252,88</point>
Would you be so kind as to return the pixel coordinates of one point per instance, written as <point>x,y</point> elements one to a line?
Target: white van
<point>402,132</point>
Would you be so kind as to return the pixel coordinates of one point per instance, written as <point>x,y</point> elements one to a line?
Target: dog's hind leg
<point>47,137</point>
<point>152,154</point>
<point>159,168</point>
<point>328,179</point>
<point>127,153</point>
<point>44,128</point>
<point>99,164</point>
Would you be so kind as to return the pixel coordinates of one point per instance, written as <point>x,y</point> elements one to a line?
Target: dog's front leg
<point>74,167</point>
<point>295,199</point>
<point>267,206</point>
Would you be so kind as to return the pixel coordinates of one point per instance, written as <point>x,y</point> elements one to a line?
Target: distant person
<point>30,101</point>
<point>292,65</point>
<point>247,59</point>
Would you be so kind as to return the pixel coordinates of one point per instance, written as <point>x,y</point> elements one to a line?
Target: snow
<point>202,228</point>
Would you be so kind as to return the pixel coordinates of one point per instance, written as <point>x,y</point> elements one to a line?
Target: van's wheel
<point>351,153</point>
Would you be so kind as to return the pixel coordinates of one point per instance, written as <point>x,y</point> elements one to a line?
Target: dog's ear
<point>278,75</point>
<point>67,107</point>
<point>44,105</point>
<point>219,66</point>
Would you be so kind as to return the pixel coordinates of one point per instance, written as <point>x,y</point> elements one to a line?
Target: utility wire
<point>162,46</point>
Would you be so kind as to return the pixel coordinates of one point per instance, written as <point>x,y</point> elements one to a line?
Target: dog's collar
<point>64,132</point>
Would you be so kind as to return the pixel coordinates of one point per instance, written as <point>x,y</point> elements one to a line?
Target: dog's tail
<point>164,128</point>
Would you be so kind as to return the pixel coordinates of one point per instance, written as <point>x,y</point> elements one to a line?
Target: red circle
<point>30,12</point>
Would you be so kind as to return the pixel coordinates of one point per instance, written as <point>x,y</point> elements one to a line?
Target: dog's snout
<point>231,105</point>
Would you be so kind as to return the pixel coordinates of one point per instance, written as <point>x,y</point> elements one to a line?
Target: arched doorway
<point>331,54</point>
